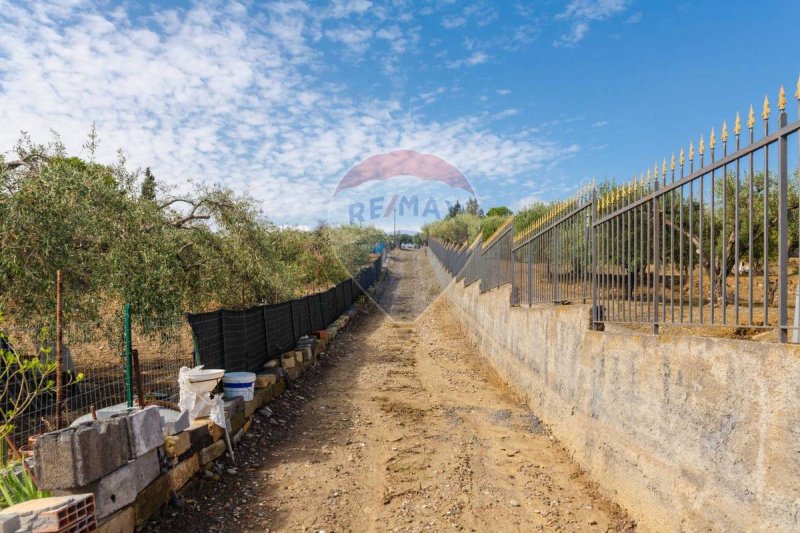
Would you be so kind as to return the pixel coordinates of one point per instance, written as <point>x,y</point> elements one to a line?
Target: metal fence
<point>701,240</point>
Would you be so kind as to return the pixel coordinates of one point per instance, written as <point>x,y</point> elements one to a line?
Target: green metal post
<point>128,357</point>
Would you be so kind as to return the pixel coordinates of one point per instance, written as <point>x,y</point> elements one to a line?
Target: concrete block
<point>177,445</point>
<point>183,472</point>
<point>151,500</point>
<point>215,431</point>
<point>77,456</point>
<point>234,405</point>
<point>251,406</point>
<point>265,380</point>
<point>289,360</point>
<point>264,395</point>
<point>292,372</point>
<point>272,363</point>
<point>237,421</point>
<point>298,356</point>
<point>120,522</point>
<point>212,452</point>
<point>9,523</point>
<point>144,430</point>
<point>119,488</point>
<point>279,388</point>
<point>199,437</point>
<point>173,422</point>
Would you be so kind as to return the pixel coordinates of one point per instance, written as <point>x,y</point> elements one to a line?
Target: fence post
<point>128,357</point>
<point>530,273</point>
<point>593,238</point>
<point>555,263</point>
<point>59,346</point>
<point>783,224</point>
<point>656,248</point>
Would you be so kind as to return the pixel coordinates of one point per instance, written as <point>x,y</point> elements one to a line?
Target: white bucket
<point>239,384</point>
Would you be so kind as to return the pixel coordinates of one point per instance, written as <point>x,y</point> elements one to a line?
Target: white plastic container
<point>239,384</point>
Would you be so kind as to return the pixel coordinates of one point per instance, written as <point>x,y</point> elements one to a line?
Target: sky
<point>529,100</point>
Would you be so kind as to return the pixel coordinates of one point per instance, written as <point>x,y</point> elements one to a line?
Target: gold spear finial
<point>648,177</point>
<point>751,118</point>
<point>797,92</point>
<point>664,167</point>
<point>655,172</point>
<point>724,135</point>
<point>691,151</point>
<point>712,141</point>
<point>782,99</point>
<point>672,162</point>
<point>701,149</point>
<point>765,109</point>
<point>682,158</point>
<point>737,125</point>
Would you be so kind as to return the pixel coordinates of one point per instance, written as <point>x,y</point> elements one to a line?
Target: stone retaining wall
<point>132,464</point>
<point>686,433</point>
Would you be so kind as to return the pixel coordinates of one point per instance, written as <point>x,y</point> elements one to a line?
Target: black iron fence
<point>243,340</point>
<point>711,238</point>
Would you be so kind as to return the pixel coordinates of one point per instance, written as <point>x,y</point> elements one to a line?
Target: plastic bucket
<point>239,384</point>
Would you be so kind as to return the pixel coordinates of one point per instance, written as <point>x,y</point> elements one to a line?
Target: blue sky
<point>530,100</point>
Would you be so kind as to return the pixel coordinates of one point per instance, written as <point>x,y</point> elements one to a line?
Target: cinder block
<point>177,445</point>
<point>77,456</point>
<point>212,452</point>
<point>151,500</point>
<point>173,422</point>
<point>215,431</point>
<point>183,472</point>
<point>9,523</point>
<point>234,405</point>
<point>199,437</point>
<point>237,421</point>
<point>289,361</point>
<point>265,380</point>
<point>292,372</point>
<point>120,522</point>
<point>264,395</point>
<point>279,388</point>
<point>120,487</point>
<point>251,406</point>
<point>144,430</point>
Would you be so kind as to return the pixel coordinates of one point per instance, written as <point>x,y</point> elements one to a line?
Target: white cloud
<point>478,58</point>
<point>582,12</point>
<point>600,124</point>
<point>223,94</point>
<point>453,22</point>
<point>503,92</point>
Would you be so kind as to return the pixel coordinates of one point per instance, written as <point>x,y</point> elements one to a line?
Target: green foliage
<point>529,214</point>
<point>454,210</point>
<point>459,229</point>
<point>17,486</point>
<point>499,211</point>
<point>473,208</point>
<point>490,224</point>
<point>119,238</point>
<point>148,186</point>
<point>23,379</point>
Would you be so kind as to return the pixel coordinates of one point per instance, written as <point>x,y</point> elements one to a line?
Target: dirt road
<point>400,429</point>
